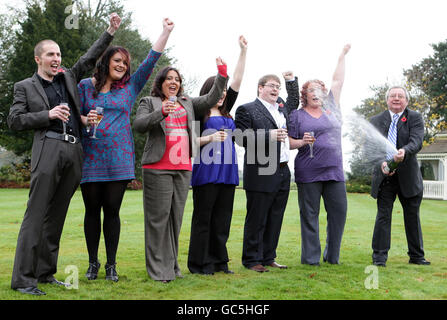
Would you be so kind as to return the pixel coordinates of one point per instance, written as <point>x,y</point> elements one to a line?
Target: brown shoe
<point>258,268</point>
<point>274,264</point>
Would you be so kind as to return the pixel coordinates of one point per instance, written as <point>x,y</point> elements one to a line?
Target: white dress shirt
<point>281,122</point>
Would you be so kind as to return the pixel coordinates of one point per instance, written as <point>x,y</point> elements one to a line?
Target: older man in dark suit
<point>266,173</point>
<point>405,130</point>
<point>48,103</point>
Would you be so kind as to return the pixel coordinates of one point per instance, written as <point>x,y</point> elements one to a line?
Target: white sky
<point>387,36</point>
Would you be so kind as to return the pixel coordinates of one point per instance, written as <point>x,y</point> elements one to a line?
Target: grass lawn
<point>399,280</point>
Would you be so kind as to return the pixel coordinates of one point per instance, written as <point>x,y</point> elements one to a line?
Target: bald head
<point>38,49</point>
<point>47,55</point>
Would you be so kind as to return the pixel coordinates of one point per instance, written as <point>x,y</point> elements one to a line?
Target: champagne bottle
<point>391,165</point>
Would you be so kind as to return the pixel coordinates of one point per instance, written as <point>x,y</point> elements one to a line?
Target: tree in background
<point>429,79</point>
<point>74,30</point>
<point>427,83</point>
<point>361,170</point>
<point>360,164</point>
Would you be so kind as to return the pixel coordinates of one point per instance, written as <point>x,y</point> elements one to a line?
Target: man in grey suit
<point>405,129</point>
<point>48,103</point>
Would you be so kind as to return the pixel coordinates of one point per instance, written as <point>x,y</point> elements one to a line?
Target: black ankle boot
<point>92,271</point>
<point>111,272</point>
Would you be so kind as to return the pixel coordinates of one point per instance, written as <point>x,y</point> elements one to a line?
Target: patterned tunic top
<point>112,156</point>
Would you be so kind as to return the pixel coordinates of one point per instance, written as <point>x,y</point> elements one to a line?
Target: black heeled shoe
<point>92,271</point>
<point>111,273</point>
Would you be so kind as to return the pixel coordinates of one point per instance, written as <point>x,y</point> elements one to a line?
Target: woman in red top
<point>167,117</point>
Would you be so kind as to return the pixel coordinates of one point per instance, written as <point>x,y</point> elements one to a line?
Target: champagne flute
<point>284,129</point>
<point>174,100</point>
<point>311,145</point>
<point>100,114</point>
<point>64,124</point>
<point>219,152</point>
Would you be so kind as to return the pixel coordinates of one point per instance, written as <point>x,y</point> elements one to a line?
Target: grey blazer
<point>410,135</point>
<point>151,120</point>
<point>30,107</point>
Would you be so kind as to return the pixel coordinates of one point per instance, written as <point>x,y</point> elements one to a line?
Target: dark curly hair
<point>102,69</point>
<point>306,87</point>
<point>160,78</point>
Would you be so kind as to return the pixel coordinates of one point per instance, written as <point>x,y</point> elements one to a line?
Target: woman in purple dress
<point>315,130</point>
<point>214,179</point>
<point>109,160</point>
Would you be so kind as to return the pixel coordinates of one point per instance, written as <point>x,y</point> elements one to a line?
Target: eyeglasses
<point>272,86</point>
<point>398,96</point>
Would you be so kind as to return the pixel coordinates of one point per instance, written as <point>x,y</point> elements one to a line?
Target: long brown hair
<point>206,87</point>
<point>102,69</point>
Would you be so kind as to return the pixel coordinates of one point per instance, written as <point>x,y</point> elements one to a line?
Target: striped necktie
<point>392,136</point>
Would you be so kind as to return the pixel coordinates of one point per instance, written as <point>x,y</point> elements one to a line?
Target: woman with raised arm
<point>214,179</point>
<point>315,129</point>
<point>109,159</point>
<point>167,118</point>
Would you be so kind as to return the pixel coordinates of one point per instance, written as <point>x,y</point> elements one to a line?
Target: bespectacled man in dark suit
<point>48,103</point>
<point>407,133</point>
<point>266,176</point>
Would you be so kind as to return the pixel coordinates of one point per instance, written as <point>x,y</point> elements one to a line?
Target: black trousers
<point>210,228</point>
<point>381,241</point>
<point>108,196</point>
<point>53,184</point>
<point>265,212</point>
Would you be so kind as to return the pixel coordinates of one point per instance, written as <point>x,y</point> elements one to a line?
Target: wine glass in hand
<point>64,124</point>
<point>100,114</point>
<point>311,145</point>
<point>222,136</point>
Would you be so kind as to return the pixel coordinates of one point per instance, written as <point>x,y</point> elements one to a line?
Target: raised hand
<point>115,22</point>
<point>220,62</point>
<point>160,44</point>
<point>168,25</point>
<point>346,49</point>
<point>221,67</point>
<point>288,75</point>
<point>243,43</point>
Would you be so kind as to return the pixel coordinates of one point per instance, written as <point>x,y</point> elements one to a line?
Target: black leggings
<point>108,196</point>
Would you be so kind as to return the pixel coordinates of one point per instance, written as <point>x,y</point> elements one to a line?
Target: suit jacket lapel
<point>386,121</point>
<point>157,105</point>
<point>70,89</point>
<point>189,111</point>
<point>260,106</point>
<point>40,90</point>
<point>284,113</point>
<point>400,123</point>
